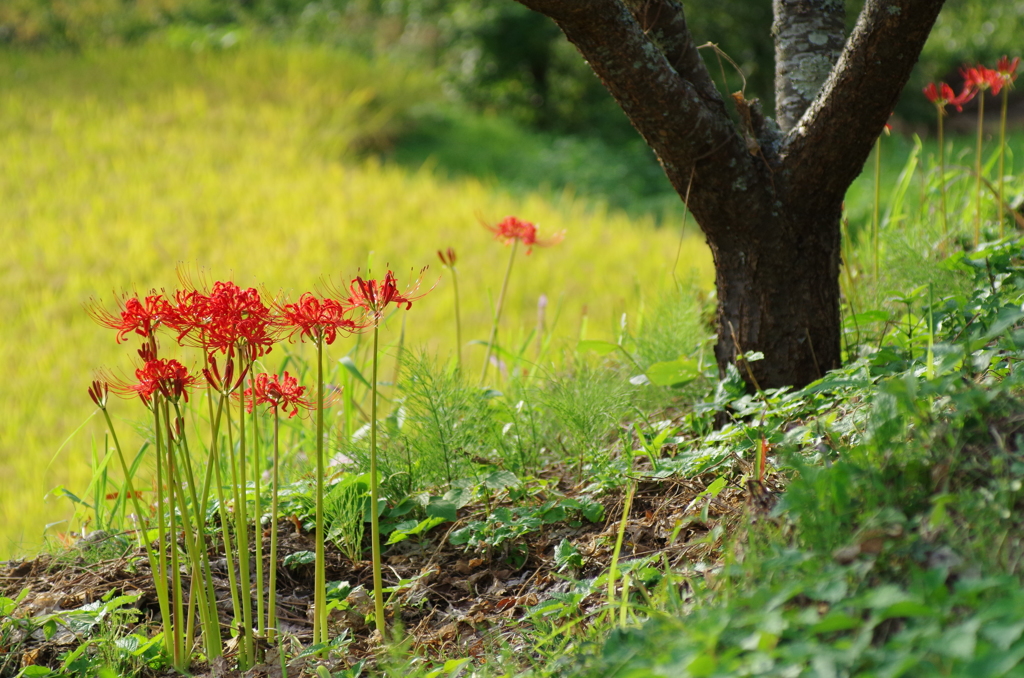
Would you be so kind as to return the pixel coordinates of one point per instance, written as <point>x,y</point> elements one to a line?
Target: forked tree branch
<point>834,137</point>
<point>674,110</point>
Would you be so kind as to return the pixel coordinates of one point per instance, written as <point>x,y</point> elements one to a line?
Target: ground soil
<point>463,602</point>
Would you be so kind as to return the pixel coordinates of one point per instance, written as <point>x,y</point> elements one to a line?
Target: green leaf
<point>445,509</point>
<point>299,558</point>
<point>678,372</point>
<point>402,533</point>
<point>463,535</point>
<point>836,621</point>
<point>907,608</point>
<point>349,365</point>
<point>499,480</point>
<point>597,346</point>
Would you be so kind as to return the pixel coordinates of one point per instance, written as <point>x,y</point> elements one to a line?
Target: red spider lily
<point>373,296</point>
<point>979,79</point>
<point>449,260</point>
<point>943,96</point>
<point>1007,69</point>
<point>512,228</point>
<point>228,318</point>
<point>141,317</point>
<point>283,392</point>
<point>315,318</point>
<point>169,377</point>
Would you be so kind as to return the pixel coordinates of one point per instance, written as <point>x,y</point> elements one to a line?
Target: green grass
<point>122,165</point>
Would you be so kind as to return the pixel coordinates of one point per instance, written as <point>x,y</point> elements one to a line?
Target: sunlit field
<point>121,167</point>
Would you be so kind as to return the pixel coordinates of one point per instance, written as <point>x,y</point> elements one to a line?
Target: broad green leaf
<point>499,480</point>
<point>597,346</point>
<point>677,372</point>
<point>299,558</point>
<point>406,530</point>
<point>836,621</point>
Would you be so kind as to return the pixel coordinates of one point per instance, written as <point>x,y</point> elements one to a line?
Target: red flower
<point>284,392</point>
<point>1007,69</point>
<point>373,296</point>
<point>513,228</point>
<point>979,79</point>
<point>944,95</point>
<point>169,377</point>
<point>315,318</point>
<point>227,318</point>
<point>141,317</point>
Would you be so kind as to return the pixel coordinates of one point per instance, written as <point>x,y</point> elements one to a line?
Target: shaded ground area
<point>455,602</point>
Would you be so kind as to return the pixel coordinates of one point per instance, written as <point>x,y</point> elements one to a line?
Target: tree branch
<point>674,111</point>
<point>828,147</point>
<point>809,36</point>
<point>664,22</point>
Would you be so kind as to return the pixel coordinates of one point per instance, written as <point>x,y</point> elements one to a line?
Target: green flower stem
<point>201,575</point>
<point>171,641</point>
<point>875,222</point>
<point>212,466</point>
<point>1002,160</point>
<point>497,311</point>
<point>977,169</point>
<point>247,655</point>
<point>225,522</point>
<point>261,627</point>
<point>160,583</point>
<point>378,593</point>
<point>942,182</point>
<point>193,537</point>
<point>458,319</point>
<point>178,612</point>
<point>272,588</point>
<point>320,576</point>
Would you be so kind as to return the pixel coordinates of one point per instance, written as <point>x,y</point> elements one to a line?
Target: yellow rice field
<point>120,166</point>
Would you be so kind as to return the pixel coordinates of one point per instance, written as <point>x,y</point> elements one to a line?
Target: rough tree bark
<point>767,196</point>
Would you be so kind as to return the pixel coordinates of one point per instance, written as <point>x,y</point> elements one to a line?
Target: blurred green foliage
<point>496,55</point>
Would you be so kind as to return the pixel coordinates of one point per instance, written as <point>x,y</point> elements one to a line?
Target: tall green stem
<point>497,312</point>
<point>261,628</point>
<point>272,588</point>
<point>159,582</point>
<point>320,575</point>
<point>1002,159</point>
<point>977,169</point>
<point>942,183</point>
<point>875,223</point>
<point>458,319</point>
<point>247,656</point>
<point>378,593</point>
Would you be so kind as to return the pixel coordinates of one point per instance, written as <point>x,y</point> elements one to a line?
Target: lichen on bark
<point>809,36</point>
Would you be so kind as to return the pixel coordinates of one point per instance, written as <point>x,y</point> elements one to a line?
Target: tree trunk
<point>769,199</point>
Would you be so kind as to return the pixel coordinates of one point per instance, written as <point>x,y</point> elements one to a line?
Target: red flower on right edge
<point>1007,69</point>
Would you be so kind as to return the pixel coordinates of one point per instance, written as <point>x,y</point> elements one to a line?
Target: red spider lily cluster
<point>977,79</point>
<point>511,228</point>
<point>235,323</point>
